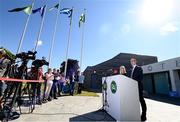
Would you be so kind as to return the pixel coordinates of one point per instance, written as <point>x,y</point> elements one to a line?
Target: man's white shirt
<point>134,66</point>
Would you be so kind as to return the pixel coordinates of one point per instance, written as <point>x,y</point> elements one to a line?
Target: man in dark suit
<point>137,74</point>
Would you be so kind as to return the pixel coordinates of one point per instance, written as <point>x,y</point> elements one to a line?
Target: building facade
<point>162,77</point>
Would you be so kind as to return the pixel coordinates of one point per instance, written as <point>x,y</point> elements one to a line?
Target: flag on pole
<point>67,11</point>
<point>27,10</point>
<point>40,10</point>
<point>82,19</point>
<point>54,7</point>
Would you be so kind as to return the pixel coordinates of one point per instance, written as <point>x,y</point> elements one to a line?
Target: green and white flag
<point>81,19</point>
<point>54,7</point>
<point>27,10</point>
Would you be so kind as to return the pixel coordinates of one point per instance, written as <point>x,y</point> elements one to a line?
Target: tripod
<point>104,95</point>
<point>14,89</point>
<point>109,72</point>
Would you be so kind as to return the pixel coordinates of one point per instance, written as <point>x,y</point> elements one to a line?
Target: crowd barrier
<point>19,80</point>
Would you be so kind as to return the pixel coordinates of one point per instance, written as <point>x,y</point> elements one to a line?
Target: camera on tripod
<point>29,55</point>
<point>40,62</point>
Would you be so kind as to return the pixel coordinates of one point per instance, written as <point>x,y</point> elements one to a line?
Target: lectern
<point>121,98</point>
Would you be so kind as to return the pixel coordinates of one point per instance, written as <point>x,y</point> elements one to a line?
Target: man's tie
<point>132,72</point>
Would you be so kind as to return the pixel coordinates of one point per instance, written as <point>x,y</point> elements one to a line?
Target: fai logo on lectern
<point>113,87</point>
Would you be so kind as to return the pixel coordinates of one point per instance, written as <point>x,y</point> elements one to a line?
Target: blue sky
<point>112,27</point>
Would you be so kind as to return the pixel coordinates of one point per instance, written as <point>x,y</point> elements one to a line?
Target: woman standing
<point>49,80</point>
<point>62,83</point>
<point>123,70</point>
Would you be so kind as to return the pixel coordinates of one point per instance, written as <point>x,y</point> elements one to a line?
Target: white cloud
<point>40,43</point>
<point>125,28</point>
<point>168,28</point>
<point>105,28</point>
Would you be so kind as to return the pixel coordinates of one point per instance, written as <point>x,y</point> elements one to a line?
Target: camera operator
<point>40,77</point>
<point>4,62</point>
<point>37,74</point>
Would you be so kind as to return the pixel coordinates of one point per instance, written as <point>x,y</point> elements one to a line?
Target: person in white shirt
<point>80,83</point>
<point>54,86</point>
<point>49,80</point>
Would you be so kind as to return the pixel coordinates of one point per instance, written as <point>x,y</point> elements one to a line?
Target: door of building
<point>162,83</point>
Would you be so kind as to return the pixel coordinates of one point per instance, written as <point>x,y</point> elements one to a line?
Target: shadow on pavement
<point>93,116</point>
<point>165,99</point>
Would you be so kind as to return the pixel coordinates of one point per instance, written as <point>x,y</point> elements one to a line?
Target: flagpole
<point>82,45</point>
<point>68,44</point>
<point>54,34</point>
<point>40,30</point>
<point>25,28</point>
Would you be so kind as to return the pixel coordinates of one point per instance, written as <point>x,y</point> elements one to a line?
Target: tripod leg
<point>5,96</point>
<point>14,99</point>
<point>19,98</point>
<point>30,94</point>
<point>33,96</point>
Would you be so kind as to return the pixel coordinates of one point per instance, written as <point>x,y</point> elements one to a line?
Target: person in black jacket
<point>137,74</point>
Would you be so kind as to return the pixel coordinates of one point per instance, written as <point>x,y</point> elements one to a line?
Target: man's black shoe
<point>56,98</point>
<point>39,103</point>
<point>49,99</point>
<point>44,101</point>
<point>143,118</point>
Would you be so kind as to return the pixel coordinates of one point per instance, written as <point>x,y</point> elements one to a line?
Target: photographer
<point>40,77</point>
<point>4,62</point>
<point>37,74</point>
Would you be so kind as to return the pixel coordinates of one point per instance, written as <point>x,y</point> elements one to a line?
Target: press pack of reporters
<point>56,84</point>
<point>55,81</point>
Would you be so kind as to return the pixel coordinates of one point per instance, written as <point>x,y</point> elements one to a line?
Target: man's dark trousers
<point>142,101</point>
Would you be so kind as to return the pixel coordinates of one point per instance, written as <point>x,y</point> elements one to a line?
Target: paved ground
<point>78,108</point>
